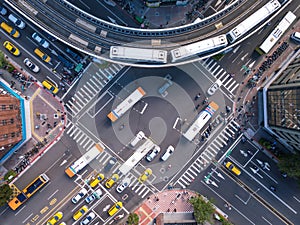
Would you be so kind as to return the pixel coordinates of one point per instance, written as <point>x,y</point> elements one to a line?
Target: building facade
<point>10,122</point>
<point>283,103</point>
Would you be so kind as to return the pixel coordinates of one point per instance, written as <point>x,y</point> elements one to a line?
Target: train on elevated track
<point>210,45</point>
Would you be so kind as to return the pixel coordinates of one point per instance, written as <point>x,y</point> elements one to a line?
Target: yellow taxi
<point>233,168</point>
<point>147,173</point>
<point>54,219</point>
<point>115,208</point>
<point>11,48</point>
<point>97,180</point>
<point>50,86</point>
<point>13,32</point>
<point>80,212</point>
<point>42,55</point>
<point>112,180</point>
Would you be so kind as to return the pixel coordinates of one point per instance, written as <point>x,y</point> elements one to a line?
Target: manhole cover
<point>166,179</point>
<point>162,170</point>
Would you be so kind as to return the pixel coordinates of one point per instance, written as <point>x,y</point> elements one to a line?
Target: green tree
<point>133,219</point>
<point>3,61</point>
<point>290,164</point>
<point>203,209</point>
<point>5,193</point>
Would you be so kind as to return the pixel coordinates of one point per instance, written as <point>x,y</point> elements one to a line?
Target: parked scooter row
<point>269,61</point>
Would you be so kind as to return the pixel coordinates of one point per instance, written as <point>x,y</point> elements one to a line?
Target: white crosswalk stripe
<point>91,87</point>
<point>218,72</point>
<point>208,154</point>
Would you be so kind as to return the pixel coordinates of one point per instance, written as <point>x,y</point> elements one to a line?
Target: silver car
<point>151,155</point>
<point>88,218</point>
<point>19,23</point>
<point>40,40</point>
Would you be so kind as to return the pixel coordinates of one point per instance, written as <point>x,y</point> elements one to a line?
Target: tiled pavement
<point>167,201</point>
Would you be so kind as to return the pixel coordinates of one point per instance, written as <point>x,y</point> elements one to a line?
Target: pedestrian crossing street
<point>208,154</point>
<point>227,79</point>
<point>86,91</point>
<point>87,143</point>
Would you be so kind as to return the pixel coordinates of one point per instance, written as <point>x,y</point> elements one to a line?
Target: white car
<point>152,154</point>
<point>31,65</point>
<point>137,138</point>
<point>168,153</point>
<point>88,218</point>
<point>213,88</point>
<point>19,23</point>
<point>79,196</point>
<point>40,40</point>
<point>124,184</point>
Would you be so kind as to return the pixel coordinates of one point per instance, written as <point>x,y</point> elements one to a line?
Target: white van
<point>213,88</point>
<point>137,138</point>
<point>168,153</point>
<point>296,37</point>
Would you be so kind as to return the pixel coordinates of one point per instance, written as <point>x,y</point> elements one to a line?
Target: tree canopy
<point>5,193</point>
<point>133,219</point>
<point>203,209</point>
<point>290,164</point>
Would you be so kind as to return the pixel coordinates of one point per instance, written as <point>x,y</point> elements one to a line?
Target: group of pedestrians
<point>198,96</point>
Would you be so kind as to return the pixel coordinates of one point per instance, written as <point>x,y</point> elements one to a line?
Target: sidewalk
<point>246,104</point>
<point>44,116</point>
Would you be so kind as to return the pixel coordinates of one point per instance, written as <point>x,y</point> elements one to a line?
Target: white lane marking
<point>27,218</point>
<point>52,194</point>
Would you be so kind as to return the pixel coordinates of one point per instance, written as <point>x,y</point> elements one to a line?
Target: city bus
<point>202,118</point>
<point>198,48</point>
<point>84,160</point>
<point>253,20</point>
<point>136,157</point>
<point>138,54</point>
<point>276,34</point>
<point>125,105</point>
<point>30,190</point>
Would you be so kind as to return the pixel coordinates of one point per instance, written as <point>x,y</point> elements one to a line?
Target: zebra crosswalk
<point>141,189</point>
<point>218,72</point>
<point>79,136</point>
<point>88,89</point>
<point>208,154</point>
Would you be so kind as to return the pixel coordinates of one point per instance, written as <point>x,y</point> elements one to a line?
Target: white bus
<point>198,48</point>
<point>276,34</point>
<point>253,20</point>
<point>84,160</point>
<point>139,154</point>
<point>200,121</point>
<point>138,54</point>
<point>125,105</point>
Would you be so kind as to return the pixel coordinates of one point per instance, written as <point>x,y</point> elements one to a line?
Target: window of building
<point>12,120</point>
<point>5,136</point>
<point>13,134</point>
<point>3,107</point>
<point>3,122</point>
<point>11,107</point>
